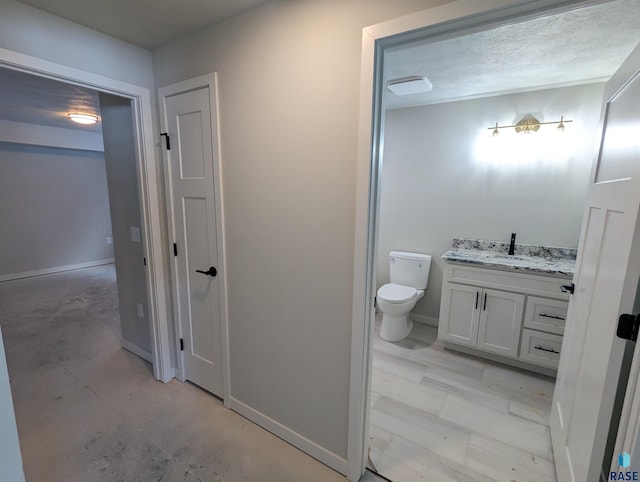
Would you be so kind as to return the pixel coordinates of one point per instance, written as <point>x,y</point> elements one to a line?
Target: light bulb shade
<point>528,125</point>
<point>561,125</point>
<point>86,119</point>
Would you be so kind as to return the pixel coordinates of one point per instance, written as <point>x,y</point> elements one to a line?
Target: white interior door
<point>189,124</point>
<point>606,280</point>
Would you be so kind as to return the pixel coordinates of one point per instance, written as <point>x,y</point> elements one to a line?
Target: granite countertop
<point>544,260</point>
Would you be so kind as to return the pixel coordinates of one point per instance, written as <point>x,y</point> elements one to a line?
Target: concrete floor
<point>87,410</point>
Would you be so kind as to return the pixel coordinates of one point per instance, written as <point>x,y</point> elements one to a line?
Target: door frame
<point>628,436</point>
<point>453,19</point>
<point>148,183</point>
<point>211,82</point>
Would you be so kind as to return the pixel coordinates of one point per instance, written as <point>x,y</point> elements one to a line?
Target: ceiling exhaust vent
<point>409,85</point>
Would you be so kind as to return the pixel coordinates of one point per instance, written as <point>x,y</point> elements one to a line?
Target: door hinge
<point>167,141</point>
<point>568,288</point>
<point>175,249</point>
<point>628,326</point>
<point>181,344</point>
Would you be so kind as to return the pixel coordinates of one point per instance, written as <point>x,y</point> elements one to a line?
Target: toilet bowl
<point>395,302</point>
<point>409,273</point>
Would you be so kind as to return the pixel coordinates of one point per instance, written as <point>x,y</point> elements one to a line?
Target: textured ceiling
<point>570,48</point>
<point>147,23</point>
<point>575,47</point>
<point>37,100</point>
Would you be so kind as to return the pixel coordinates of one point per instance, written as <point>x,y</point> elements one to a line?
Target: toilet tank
<point>409,269</point>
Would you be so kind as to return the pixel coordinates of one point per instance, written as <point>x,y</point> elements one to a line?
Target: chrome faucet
<point>512,246</point>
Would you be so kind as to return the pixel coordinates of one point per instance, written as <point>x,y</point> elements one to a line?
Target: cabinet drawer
<point>540,348</point>
<point>546,315</point>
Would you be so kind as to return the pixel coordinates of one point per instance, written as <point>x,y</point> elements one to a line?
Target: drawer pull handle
<point>544,315</point>
<point>568,288</point>
<point>550,350</point>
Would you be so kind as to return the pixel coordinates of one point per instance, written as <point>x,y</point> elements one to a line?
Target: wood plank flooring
<point>438,415</point>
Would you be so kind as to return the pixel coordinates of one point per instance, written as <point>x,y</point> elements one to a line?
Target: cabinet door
<point>459,314</point>
<point>500,322</point>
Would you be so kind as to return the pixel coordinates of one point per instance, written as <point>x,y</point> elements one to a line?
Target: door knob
<point>211,272</point>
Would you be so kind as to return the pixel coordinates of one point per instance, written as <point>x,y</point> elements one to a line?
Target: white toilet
<point>409,275</point>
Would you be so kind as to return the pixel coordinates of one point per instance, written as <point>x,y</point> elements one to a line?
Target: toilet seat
<point>397,293</point>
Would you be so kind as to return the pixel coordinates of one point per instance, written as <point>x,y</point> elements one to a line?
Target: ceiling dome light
<point>86,119</point>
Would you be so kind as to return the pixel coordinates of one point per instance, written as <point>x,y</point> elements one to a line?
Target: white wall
<point>122,181</point>
<point>34,32</point>
<point>289,81</point>
<point>38,135</point>
<point>54,209</point>
<point>10,458</point>
<point>445,176</point>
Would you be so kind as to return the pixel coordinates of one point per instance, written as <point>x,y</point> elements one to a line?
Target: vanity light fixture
<point>410,85</point>
<point>79,118</point>
<point>529,125</point>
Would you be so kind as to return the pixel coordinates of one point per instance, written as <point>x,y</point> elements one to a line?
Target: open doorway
<point>149,190</point>
<point>434,181</point>
<point>71,208</point>
<point>70,191</point>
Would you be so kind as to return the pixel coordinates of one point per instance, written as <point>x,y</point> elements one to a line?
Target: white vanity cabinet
<point>519,316</point>
<point>487,319</point>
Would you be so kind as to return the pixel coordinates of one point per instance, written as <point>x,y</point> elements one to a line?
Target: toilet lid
<point>396,293</point>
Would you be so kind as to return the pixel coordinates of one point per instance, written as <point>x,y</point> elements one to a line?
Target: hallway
<point>87,410</point>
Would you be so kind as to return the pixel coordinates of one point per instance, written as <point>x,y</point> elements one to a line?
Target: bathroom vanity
<point>510,308</point>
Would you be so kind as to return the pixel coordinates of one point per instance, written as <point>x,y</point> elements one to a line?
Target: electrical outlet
<point>109,240</point>
<point>135,234</point>
<point>140,310</point>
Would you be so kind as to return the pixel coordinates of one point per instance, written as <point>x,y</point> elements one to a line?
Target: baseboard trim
<point>311,448</point>
<point>56,269</point>
<point>425,320</point>
<point>136,350</point>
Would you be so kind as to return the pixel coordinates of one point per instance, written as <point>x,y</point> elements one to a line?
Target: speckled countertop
<point>545,260</point>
